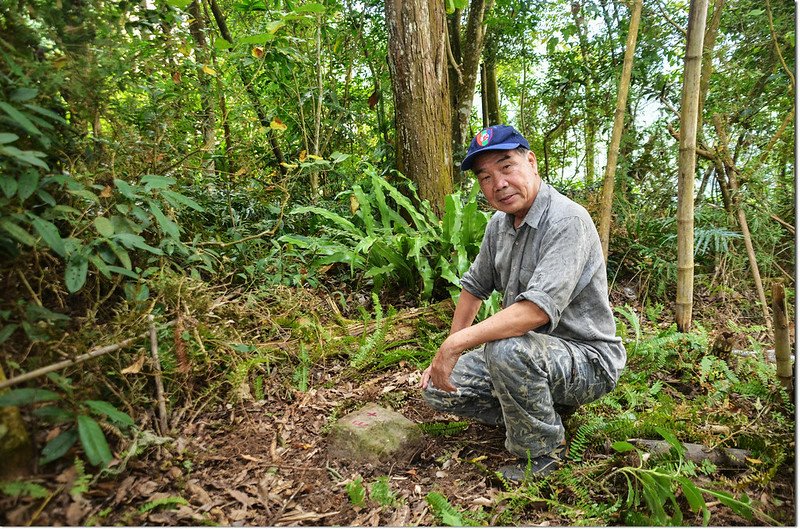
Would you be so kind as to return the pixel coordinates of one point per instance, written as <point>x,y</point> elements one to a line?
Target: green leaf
<point>18,233</point>
<point>670,438</point>
<point>7,137</point>
<point>180,4</point>
<point>741,507</point>
<point>222,44</point>
<point>23,94</point>
<point>125,189</point>
<point>176,199</point>
<point>312,7</point>
<point>22,396</point>
<point>623,446</point>
<point>694,497</point>
<point>153,181</point>
<point>20,119</point>
<point>101,266</point>
<point>93,441</point>
<point>338,220</point>
<point>114,415</point>
<point>29,157</point>
<point>123,272</point>
<point>7,331</point>
<point>131,240</point>
<point>166,224</point>
<point>49,234</point>
<point>104,226</point>
<point>34,313</point>
<point>53,414</point>
<point>18,489</point>
<point>84,193</point>
<point>262,38</point>
<point>9,186</point>
<point>59,446</point>
<point>75,274</point>
<point>46,113</point>
<point>27,183</point>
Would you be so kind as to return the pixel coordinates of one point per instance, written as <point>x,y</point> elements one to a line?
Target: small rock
<point>374,434</point>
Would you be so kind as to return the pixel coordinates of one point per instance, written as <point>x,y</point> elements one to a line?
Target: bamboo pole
<point>604,227</point>
<point>698,10</point>
<point>783,347</point>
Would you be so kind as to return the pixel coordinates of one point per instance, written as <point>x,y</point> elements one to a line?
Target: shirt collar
<point>538,208</point>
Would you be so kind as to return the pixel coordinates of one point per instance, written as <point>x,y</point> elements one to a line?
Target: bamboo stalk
<point>690,97</point>
<point>162,406</point>
<point>783,347</point>
<point>604,227</point>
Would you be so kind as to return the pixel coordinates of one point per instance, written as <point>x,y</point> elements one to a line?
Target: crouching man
<point>553,346</point>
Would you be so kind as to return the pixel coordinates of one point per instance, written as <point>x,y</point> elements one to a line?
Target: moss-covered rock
<point>374,435</point>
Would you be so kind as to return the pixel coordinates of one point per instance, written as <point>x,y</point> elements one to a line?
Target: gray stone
<point>374,435</point>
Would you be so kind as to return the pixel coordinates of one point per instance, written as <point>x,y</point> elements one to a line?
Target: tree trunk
<point>463,91</point>
<point>484,99</point>
<point>616,135</point>
<point>422,105</point>
<point>16,451</point>
<point>208,118</point>
<point>490,63</point>
<point>698,10</point>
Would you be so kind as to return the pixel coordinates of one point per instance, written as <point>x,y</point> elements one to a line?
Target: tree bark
<point>16,449</point>
<point>208,112</point>
<point>698,10</point>
<point>490,63</point>
<point>463,90</point>
<point>422,104</point>
<point>616,135</point>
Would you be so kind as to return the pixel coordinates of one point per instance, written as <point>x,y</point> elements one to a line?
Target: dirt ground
<point>265,463</point>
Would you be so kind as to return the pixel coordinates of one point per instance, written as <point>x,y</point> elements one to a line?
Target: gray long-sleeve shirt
<point>553,259</point>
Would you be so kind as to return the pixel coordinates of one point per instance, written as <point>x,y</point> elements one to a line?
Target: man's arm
<point>515,320</point>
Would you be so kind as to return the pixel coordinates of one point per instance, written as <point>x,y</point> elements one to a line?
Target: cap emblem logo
<point>484,137</point>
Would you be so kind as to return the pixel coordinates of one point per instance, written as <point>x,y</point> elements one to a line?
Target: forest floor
<point>265,463</point>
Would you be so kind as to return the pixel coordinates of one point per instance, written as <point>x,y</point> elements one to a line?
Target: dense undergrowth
<point>249,287</point>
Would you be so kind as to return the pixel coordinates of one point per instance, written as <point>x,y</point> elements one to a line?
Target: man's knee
<point>517,353</point>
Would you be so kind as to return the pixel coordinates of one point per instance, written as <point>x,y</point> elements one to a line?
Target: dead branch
<point>162,406</point>
<point>698,453</point>
<point>72,361</point>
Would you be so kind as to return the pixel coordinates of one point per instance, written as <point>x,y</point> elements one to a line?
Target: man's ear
<point>532,160</point>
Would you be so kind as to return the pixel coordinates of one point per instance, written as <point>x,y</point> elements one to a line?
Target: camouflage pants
<point>517,382</point>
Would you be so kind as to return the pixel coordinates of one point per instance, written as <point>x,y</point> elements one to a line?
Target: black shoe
<point>536,467</point>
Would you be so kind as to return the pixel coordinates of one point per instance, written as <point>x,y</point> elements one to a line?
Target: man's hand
<point>441,368</point>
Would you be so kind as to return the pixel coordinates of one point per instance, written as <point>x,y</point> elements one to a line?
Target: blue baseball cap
<point>495,138</point>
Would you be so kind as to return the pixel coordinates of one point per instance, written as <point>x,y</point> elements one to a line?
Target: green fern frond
<point>169,501</point>
<point>444,429</point>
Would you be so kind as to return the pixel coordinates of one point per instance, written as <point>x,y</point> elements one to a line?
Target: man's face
<point>509,180</point>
